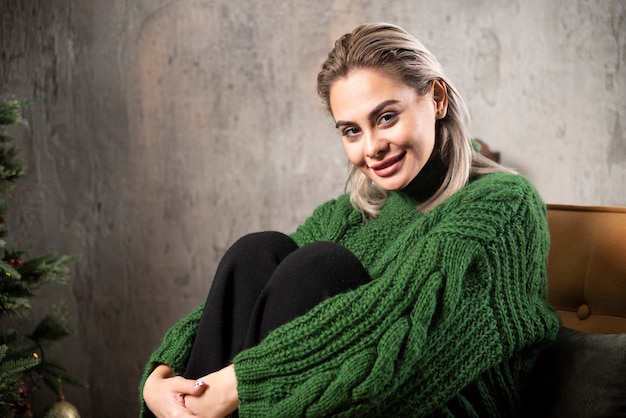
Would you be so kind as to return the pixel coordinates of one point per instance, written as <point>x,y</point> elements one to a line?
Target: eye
<point>387,118</point>
<point>350,131</point>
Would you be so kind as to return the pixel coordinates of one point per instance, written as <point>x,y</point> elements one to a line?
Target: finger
<point>183,412</point>
<point>186,386</point>
<point>199,386</point>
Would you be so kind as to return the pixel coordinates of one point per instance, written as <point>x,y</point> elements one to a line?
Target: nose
<point>375,145</point>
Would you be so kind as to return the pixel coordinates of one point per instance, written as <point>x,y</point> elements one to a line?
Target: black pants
<point>263,281</point>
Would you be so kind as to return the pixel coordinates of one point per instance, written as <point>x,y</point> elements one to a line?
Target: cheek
<point>422,138</point>
<point>354,153</point>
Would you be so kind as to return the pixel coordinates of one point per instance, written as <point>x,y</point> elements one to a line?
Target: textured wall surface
<point>163,130</point>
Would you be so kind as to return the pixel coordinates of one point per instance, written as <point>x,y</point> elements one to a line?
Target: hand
<point>219,399</point>
<point>165,393</point>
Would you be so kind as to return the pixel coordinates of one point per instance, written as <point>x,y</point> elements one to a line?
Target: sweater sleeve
<point>452,298</point>
<point>173,351</point>
<point>316,228</point>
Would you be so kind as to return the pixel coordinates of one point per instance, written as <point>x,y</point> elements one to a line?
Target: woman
<point>421,292</point>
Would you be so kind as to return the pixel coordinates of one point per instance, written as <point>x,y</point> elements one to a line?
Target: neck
<point>427,181</point>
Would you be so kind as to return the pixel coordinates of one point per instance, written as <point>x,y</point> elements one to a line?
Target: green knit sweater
<point>452,322</point>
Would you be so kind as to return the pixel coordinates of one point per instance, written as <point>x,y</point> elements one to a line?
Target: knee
<point>251,260</point>
<point>263,243</point>
<point>261,239</point>
<point>324,264</point>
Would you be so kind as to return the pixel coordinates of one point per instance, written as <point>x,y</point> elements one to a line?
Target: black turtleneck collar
<point>427,181</point>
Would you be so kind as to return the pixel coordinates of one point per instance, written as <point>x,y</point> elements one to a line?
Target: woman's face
<point>387,129</point>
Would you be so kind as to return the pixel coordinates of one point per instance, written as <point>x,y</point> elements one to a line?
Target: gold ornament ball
<point>62,409</point>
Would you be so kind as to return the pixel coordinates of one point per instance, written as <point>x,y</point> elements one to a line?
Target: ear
<point>440,97</point>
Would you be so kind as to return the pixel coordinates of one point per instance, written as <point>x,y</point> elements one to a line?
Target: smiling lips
<point>388,167</point>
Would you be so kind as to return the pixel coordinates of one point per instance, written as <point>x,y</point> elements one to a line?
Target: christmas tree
<point>24,367</point>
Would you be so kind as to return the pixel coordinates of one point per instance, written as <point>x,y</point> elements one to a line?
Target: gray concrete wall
<point>163,130</point>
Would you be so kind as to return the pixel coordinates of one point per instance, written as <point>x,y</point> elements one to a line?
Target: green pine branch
<point>14,306</point>
<point>11,371</point>
<point>11,111</point>
<point>46,269</point>
<point>20,282</point>
<point>8,271</point>
<point>12,167</point>
<point>13,368</point>
<point>56,325</point>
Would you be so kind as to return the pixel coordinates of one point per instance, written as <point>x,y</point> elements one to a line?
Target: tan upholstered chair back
<point>587,267</point>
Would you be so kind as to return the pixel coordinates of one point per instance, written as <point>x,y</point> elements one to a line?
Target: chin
<point>391,186</point>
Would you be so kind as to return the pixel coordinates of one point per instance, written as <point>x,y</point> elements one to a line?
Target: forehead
<point>363,89</point>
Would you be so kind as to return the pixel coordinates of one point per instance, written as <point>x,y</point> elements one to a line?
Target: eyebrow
<point>372,114</point>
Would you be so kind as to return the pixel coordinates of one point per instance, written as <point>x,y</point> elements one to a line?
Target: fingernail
<point>199,383</point>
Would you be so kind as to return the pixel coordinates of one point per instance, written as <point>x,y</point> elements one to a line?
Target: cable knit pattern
<point>450,325</point>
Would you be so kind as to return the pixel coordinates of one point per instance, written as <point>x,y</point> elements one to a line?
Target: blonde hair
<point>395,52</point>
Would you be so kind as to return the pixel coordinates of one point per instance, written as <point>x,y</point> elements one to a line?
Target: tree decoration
<point>61,408</point>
